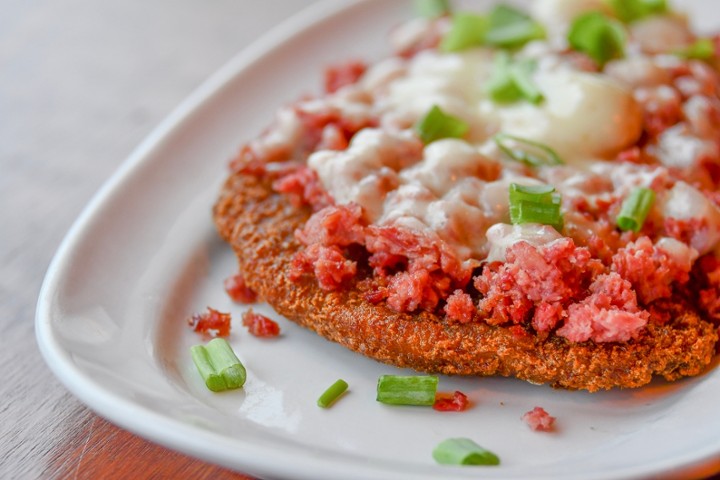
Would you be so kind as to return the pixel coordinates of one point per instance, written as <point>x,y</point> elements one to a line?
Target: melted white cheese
<point>458,189</point>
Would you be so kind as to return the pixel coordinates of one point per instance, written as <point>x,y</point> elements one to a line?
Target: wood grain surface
<point>82,82</point>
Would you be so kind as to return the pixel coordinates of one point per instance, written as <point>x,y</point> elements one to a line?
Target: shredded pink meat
<point>707,273</point>
<point>408,291</point>
<point>328,264</point>
<point>304,187</point>
<point>460,307</point>
<point>338,76</point>
<point>539,420</point>
<point>651,271</point>
<point>334,225</point>
<point>421,251</point>
<point>534,282</point>
<point>609,314</point>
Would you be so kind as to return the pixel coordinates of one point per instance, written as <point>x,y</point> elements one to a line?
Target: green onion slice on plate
<point>332,393</point>
<point>407,390</point>
<point>463,451</point>
<point>218,365</point>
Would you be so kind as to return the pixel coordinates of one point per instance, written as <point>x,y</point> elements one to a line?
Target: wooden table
<point>81,83</point>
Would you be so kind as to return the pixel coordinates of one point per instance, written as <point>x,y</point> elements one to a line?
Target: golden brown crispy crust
<point>259,224</point>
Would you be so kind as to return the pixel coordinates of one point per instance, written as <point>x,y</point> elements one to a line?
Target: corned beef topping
<point>335,225</point>
<point>408,291</point>
<point>328,264</point>
<point>460,307</point>
<point>609,314</point>
<point>650,270</point>
<point>707,276</point>
<point>338,76</point>
<point>422,250</point>
<point>687,230</point>
<point>314,123</point>
<point>533,276</point>
<point>304,187</point>
<point>597,283</point>
<point>539,420</point>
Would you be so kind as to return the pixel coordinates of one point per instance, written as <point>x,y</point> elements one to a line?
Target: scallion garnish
<point>332,393</point>
<point>599,36</point>
<point>407,390</point>
<point>504,27</point>
<point>521,73</point>
<point>438,124</point>
<point>218,365</point>
<point>535,204</point>
<point>632,10</point>
<point>463,451</point>
<point>511,82</point>
<point>509,27</point>
<point>635,209</point>
<point>467,30</point>
<point>529,152</point>
<point>701,49</point>
<point>432,8</point>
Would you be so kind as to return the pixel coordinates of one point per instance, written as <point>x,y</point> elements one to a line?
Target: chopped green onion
<point>599,36</point>
<point>632,10</point>
<point>635,209</point>
<point>521,74</point>
<point>529,152</point>
<point>535,204</point>
<point>218,365</point>
<point>511,82</point>
<point>438,124</point>
<point>504,27</point>
<point>702,49</point>
<point>509,27</point>
<point>332,393</point>
<point>432,8</point>
<point>467,30</point>
<point>501,86</point>
<point>463,451</point>
<point>407,390</point>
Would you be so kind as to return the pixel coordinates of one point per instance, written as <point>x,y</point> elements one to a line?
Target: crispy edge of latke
<point>259,224</point>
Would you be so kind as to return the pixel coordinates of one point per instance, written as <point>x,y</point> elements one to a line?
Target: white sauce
<point>458,189</point>
<point>501,236</point>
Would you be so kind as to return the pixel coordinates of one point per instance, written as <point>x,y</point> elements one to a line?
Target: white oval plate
<point>144,256</point>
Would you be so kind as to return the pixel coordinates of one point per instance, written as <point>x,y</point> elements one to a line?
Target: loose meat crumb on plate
<point>539,420</point>
<point>212,323</point>
<point>259,325</point>
<point>457,403</point>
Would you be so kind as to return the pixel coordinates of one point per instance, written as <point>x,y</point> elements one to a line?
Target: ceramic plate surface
<point>144,256</point>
